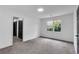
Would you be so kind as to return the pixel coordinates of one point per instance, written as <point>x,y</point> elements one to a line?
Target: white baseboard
<point>5,46</point>
<point>31,38</point>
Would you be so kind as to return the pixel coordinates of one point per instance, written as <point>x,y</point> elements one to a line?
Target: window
<point>57,25</point>
<point>54,25</point>
<point>50,26</point>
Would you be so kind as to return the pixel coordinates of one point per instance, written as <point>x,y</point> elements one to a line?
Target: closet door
<point>78,30</point>
<point>20,29</point>
<point>15,28</point>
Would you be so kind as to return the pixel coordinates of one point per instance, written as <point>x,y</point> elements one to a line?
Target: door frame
<point>75,27</point>
<point>12,27</point>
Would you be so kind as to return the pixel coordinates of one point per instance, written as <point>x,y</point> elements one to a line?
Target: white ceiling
<point>49,10</point>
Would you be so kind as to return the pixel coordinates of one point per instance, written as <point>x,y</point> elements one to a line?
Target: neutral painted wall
<point>66,27</point>
<point>5,29</point>
<point>30,26</point>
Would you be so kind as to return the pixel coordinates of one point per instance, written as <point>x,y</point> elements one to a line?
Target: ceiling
<point>49,10</point>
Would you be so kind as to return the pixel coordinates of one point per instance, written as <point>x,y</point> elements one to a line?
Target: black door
<point>78,30</point>
<point>14,28</point>
<point>20,29</point>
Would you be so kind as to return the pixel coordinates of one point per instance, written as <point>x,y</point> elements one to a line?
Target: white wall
<point>31,28</point>
<point>66,27</point>
<point>6,27</point>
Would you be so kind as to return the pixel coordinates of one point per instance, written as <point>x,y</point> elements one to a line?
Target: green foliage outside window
<point>54,26</point>
<point>57,25</point>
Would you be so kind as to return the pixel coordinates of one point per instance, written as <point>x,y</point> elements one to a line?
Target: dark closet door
<point>78,30</point>
<point>14,28</point>
<point>20,29</point>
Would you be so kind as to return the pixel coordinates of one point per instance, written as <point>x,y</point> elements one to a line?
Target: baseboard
<point>31,38</point>
<point>5,47</point>
<point>57,39</point>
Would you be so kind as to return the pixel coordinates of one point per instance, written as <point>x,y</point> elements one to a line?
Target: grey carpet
<point>40,46</point>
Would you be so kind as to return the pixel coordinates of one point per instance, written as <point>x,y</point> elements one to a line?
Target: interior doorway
<point>17,29</point>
